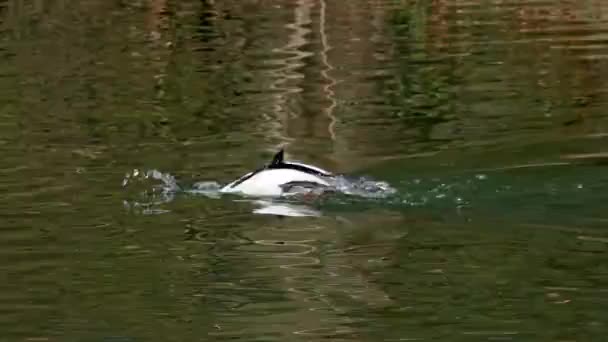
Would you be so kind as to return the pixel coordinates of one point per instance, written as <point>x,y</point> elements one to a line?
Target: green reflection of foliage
<point>422,84</point>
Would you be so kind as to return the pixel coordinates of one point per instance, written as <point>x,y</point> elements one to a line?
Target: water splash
<point>364,187</point>
<point>151,190</point>
<point>146,198</point>
<point>169,184</point>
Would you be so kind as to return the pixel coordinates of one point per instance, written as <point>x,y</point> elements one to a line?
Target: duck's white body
<point>274,179</point>
<point>271,182</point>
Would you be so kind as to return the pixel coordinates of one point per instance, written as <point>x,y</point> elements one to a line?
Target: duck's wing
<point>306,185</point>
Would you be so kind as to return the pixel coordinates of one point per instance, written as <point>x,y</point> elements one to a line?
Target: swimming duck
<point>279,178</point>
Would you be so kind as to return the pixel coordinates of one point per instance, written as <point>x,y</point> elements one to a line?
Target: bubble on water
<point>481,176</point>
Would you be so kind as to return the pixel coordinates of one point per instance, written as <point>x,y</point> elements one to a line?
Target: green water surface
<point>490,118</point>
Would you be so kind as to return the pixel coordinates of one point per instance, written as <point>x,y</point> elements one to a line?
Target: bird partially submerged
<point>281,177</point>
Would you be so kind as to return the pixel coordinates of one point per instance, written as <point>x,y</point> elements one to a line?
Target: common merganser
<point>280,177</point>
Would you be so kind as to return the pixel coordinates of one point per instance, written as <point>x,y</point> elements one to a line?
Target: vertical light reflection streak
<point>289,67</point>
<point>325,72</point>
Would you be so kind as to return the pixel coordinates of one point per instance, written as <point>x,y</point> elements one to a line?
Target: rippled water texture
<point>489,118</point>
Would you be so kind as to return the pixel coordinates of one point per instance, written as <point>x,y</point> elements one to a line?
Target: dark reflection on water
<point>488,117</point>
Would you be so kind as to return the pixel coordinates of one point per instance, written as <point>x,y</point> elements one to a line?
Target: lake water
<point>489,118</point>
